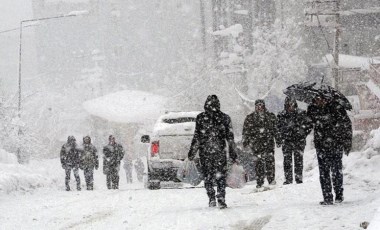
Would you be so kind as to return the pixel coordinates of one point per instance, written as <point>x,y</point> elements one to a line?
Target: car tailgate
<point>175,146</point>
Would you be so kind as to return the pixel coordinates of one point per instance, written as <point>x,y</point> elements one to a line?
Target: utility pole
<point>335,70</point>
<point>328,8</point>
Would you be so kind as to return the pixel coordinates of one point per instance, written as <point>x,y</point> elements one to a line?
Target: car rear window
<point>178,120</point>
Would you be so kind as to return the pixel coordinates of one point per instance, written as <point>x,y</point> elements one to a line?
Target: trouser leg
<point>77,178</point>
<point>260,173</point>
<point>129,176</point>
<point>221,185</point>
<point>337,174</point>
<point>288,164</point>
<point>209,183</point>
<point>270,167</point>
<point>298,165</point>
<point>109,179</point>
<point>67,178</point>
<point>89,177</point>
<point>115,179</point>
<point>324,175</point>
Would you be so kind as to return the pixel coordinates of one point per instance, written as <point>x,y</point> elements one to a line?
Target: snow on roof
<point>127,106</point>
<point>67,1</point>
<point>374,88</point>
<point>370,10</point>
<point>349,61</point>
<point>233,30</point>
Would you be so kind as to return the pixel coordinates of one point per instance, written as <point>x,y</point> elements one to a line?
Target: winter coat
<point>89,157</point>
<point>70,156</point>
<point>293,126</point>
<point>332,127</point>
<point>112,155</point>
<point>213,129</point>
<point>260,132</point>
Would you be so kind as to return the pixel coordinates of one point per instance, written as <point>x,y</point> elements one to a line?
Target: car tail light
<point>155,148</point>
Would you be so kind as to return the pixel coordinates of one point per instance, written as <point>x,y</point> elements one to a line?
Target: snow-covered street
<point>133,207</point>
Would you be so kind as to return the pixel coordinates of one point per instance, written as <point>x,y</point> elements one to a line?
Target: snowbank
<point>26,178</point>
<point>7,158</point>
<point>375,223</point>
<point>127,106</point>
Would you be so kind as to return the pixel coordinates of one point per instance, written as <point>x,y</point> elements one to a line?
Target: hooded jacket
<point>260,131</point>
<point>213,129</point>
<point>332,127</point>
<point>293,126</point>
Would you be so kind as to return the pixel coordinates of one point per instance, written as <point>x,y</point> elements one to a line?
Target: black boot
<point>339,199</point>
<point>326,202</point>
<point>221,203</point>
<point>212,202</point>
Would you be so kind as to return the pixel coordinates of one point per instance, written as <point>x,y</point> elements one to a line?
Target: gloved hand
<point>96,167</point>
<point>347,151</point>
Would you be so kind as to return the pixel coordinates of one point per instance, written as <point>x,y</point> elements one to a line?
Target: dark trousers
<point>330,161</point>
<point>265,167</point>
<point>289,151</point>
<point>212,176</point>
<point>68,175</point>
<point>113,178</point>
<point>89,177</point>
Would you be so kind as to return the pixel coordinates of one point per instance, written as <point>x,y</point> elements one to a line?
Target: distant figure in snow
<point>128,165</point>
<point>332,138</point>
<point>70,161</point>
<point>113,153</point>
<point>259,135</point>
<point>88,161</point>
<point>139,167</point>
<point>213,130</point>
<point>294,125</point>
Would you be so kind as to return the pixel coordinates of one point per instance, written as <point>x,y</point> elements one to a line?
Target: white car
<point>169,145</point>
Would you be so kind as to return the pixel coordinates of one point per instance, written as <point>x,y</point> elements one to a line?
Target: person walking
<point>113,153</point>
<point>332,138</point>
<point>69,156</point>
<point>213,129</point>
<point>294,125</point>
<point>139,167</point>
<point>128,168</point>
<point>89,161</point>
<point>259,136</point>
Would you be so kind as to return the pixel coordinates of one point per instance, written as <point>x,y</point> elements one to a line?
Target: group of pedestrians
<point>261,131</point>
<point>85,157</point>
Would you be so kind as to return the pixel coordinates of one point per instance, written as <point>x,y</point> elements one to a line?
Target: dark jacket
<point>213,129</point>
<point>260,132</point>
<point>70,156</point>
<point>112,155</point>
<point>332,127</point>
<point>89,157</point>
<point>293,126</point>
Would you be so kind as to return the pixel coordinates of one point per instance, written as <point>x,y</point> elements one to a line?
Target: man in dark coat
<point>213,129</point>
<point>88,161</point>
<point>294,125</point>
<point>70,161</point>
<point>332,138</point>
<point>113,153</point>
<point>259,135</point>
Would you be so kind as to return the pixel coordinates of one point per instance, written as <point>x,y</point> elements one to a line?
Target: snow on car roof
<point>173,115</point>
<point>128,106</point>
